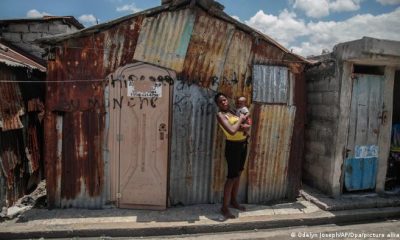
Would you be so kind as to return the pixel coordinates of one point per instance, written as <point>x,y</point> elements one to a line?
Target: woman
<point>235,152</point>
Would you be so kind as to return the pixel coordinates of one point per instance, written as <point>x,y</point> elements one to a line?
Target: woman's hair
<point>217,96</point>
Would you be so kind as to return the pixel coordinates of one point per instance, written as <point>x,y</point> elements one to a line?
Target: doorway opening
<point>392,183</point>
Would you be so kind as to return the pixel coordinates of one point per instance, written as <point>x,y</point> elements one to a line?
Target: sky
<point>306,27</point>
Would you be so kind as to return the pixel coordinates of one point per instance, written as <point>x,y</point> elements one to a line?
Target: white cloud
<point>287,29</point>
<point>322,8</point>
<point>129,8</point>
<point>236,17</point>
<point>313,8</point>
<point>388,2</point>
<point>33,13</point>
<point>87,19</point>
<point>344,5</point>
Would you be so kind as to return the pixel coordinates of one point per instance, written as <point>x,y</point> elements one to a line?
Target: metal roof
<point>14,57</point>
<point>213,8</point>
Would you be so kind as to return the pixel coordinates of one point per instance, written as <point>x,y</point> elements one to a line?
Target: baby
<point>242,109</point>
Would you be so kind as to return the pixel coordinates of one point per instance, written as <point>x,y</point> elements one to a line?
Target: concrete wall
<point>321,127</point>
<point>23,34</point>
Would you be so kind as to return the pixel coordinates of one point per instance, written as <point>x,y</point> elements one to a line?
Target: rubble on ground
<point>36,199</point>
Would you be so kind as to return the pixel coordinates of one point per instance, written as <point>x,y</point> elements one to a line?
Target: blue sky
<point>305,26</point>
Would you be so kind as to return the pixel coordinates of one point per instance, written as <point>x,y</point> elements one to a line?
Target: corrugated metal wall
<point>237,68</point>
<point>205,58</point>
<point>271,84</point>
<point>20,133</point>
<point>164,39</point>
<point>270,149</point>
<point>74,126</point>
<point>192,138</point>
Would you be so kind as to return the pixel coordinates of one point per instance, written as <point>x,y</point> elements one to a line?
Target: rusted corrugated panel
<point>164,39</point>
<point>52,166</point>
<point>12,163</point>
<point>33,148</point>
<point>192,138</point>
<point>270,84</point>
<point>78,68</point>
<point>81,165</point>
<point>120,44</point>
<point>267,54</point>
<point>74,154</point>
<point>268,160</point>
<point>207,51</point>
<point>236,79</point>
<point>11,103</point>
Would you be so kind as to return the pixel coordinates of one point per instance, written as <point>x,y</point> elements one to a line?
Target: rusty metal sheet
<point>267,54</point>
<point>270,84</point>
<point>81,164</point>
<point>270,149</point>
<point>120,44</point>
<point>20,139</point>
<point>236,79</point>
<point>11,103</point>
<point>205,58</point>
<point>74,125</point>
<point>193,126</point>
<point>12,163</point>
<point>164,39</point>
<point>75,78</point>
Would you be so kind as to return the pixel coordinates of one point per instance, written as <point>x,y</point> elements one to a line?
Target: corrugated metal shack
<point>21,122</point>
<point>133,110</point>
<point>353,96</point>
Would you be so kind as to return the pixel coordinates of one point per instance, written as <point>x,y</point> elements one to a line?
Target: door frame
<point>346,89</point>
<point>113,143</point>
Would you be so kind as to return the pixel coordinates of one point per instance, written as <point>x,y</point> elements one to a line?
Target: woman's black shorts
<point>235,154</point>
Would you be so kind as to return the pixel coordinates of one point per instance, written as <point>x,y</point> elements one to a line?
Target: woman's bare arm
<point>231,129</point>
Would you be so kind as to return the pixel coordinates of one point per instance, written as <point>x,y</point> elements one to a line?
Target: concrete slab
<point>113,222</point>
<point>349,201</point>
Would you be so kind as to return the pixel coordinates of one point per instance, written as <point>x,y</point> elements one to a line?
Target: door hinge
<point>119,195</point>
<point>120,137</point>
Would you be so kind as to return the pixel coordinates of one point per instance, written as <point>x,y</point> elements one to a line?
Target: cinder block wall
<point>23,34</point>
<point>321,127</point>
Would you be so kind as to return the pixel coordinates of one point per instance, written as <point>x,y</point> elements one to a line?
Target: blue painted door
<point>365,122</point>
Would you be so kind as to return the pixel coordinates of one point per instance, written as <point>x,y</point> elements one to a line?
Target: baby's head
<point>241,102</point>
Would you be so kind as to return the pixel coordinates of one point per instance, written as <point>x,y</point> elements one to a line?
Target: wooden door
<point>365,124</point>
<point>143,136</point>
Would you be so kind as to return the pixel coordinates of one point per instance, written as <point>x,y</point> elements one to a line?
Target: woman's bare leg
<point>227,197</point>
<point>235,191</point>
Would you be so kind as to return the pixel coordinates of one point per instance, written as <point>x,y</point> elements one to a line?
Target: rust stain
<point>120,44</point>
<point>237,67</point>
<point>207,50</point>
<point>267,54</point>
<point>11,103</point>
<point>268,161</point>
<point>80,104</point>
<point>20,152</point>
